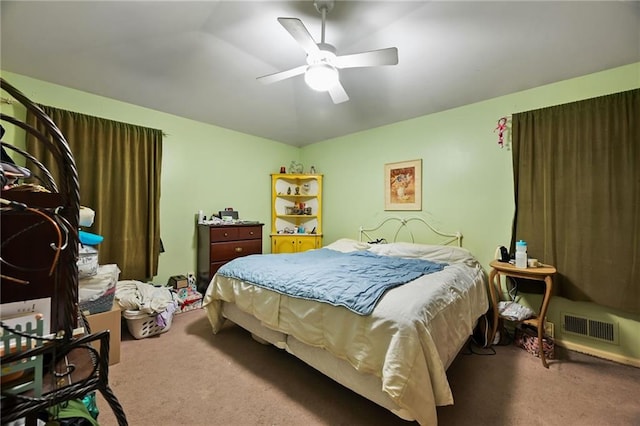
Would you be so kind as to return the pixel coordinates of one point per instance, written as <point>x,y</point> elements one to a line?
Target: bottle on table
<point>521,254</point>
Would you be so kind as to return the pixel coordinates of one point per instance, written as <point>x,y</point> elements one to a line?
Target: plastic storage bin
<point>87,261</point>
<point>96,293</point>
<point>142,325</point>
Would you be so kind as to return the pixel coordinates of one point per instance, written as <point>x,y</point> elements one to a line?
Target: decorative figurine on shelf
<point>289,191</point>
<point>297,190</point>
<point>296,167</point>
<point>283,169</point>
<point>312,170</point>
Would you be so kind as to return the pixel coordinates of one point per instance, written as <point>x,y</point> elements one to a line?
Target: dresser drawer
<point>235,233</point>
<point>223,234</point>
<point>250,232</point>
<point>214,268</point>
<point>233,249</point>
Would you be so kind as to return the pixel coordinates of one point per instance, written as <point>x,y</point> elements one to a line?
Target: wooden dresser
<point>218,244</point>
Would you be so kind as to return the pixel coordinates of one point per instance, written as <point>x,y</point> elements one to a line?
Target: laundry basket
<point>143,325</point>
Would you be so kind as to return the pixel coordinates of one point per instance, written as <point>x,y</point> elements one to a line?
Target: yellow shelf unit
<point>296,212</point>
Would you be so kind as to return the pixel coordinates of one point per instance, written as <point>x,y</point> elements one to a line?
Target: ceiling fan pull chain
<point>324,7</point>
<point>324,16</point>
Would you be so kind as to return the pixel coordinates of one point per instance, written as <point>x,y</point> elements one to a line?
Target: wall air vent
<point>590,328</point>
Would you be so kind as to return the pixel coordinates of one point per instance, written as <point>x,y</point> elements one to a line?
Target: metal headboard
<point>364,234</point>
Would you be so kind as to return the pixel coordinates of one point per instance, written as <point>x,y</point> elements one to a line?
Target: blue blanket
<point>354,280</point>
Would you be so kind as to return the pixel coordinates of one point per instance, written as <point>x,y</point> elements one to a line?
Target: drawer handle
<point>226,235</point>
<point>251,233</point>
<point>238,249</point>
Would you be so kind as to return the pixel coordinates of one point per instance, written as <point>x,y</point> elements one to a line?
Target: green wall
<point>204,167</point>
<point>467,177</point>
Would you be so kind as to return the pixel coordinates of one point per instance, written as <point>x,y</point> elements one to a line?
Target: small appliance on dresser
<point>218,244</point>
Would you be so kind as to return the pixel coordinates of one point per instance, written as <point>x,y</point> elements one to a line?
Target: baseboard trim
<point>621,359</point>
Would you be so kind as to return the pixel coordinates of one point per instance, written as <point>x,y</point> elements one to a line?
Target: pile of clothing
<point>147,299</point>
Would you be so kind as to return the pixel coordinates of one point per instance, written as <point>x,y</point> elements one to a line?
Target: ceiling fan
<point>321,71</point>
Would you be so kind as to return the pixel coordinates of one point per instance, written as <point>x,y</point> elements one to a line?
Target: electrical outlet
<point>548,329</point>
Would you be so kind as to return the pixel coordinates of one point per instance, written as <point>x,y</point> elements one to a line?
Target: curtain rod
<point>9,101</point>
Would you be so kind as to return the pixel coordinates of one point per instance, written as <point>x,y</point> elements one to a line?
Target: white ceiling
<point>200,59</point>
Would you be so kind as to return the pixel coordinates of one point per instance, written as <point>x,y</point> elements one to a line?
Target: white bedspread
<point>408,341</point>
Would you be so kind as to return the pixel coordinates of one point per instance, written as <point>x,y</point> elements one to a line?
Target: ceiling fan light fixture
<point>321,76</point>
<point>321,72</point>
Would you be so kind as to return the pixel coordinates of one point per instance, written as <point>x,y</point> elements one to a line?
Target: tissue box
<point>178,281</point>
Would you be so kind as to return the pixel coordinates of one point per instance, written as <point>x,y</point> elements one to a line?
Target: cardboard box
<point>110,320</point>
<point>178,281</point>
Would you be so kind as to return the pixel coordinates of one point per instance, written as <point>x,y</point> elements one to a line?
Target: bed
<point>396,355</point>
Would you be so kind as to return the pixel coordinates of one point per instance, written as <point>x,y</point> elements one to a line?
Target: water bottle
<point>521,254</point>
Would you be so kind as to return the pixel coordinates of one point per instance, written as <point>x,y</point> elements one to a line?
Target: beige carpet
<point>188,376</point>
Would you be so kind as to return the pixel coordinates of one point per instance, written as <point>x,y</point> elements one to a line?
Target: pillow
<point>436,253</point>
<point>347,245</point>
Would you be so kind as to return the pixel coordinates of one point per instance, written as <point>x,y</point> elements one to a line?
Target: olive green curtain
<point>577,193</point>
<point>119,167</point>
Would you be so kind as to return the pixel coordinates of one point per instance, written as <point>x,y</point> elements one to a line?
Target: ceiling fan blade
<point>300,33</point>
<point>281,75</point>
<point>388,56</point>
<point>338,94</point>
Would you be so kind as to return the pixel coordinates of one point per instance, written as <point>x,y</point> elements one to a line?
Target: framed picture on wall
<point>403,185</point>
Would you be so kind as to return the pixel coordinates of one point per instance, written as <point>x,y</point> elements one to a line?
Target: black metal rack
<point>72,367</point>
